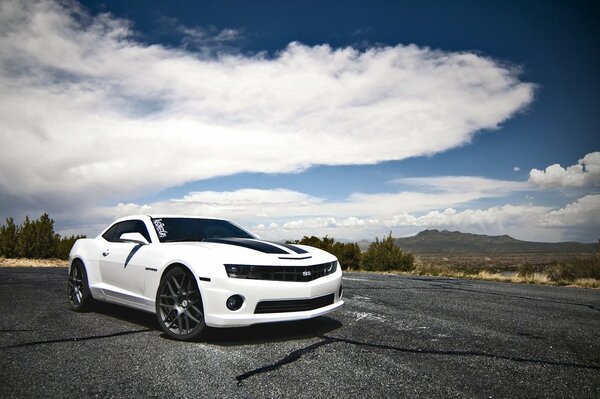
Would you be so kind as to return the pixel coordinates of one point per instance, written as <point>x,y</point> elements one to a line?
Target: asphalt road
<point>396,336</point>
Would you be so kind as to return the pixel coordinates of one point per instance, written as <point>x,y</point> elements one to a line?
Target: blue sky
<point>350,119</point>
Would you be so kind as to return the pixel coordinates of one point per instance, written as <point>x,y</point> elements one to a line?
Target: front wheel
<point>78,288</point>
<point>179,305</point>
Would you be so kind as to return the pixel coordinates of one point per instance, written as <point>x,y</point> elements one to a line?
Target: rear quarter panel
<point>87,250</point>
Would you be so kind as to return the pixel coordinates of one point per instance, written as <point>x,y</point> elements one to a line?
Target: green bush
<point>348,254</point>
<point>8,239</point>
<point>34,239</point>
<point>384,255</point>
<point>64,245</point>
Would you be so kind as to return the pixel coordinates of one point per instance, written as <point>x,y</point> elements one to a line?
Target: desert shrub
<point>581,268</point>
<point>561,272</point>
<point>384,255</point>
<point>526,270</point>
<point>430,269</point>
<point>348,254</point>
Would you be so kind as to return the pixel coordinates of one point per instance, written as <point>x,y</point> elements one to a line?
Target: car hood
<point>245,250</point>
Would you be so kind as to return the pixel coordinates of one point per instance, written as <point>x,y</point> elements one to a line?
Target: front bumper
<point>216,292</point>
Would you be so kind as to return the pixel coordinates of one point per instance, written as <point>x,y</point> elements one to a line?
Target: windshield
<point>192,229</point>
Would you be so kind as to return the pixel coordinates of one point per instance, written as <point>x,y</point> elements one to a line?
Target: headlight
<point>331,267</point>
<point>237,271</point>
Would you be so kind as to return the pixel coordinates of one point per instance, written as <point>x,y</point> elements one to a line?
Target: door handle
<point>105,253</point>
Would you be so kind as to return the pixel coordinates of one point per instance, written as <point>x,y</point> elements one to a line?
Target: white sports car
<point>195,272</point>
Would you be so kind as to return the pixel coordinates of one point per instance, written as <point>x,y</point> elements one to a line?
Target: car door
<point>121,264</point>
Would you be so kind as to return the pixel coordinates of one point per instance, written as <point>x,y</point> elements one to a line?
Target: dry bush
<point>24,262</point>
<point>581,268</point>
<point>587,283</point>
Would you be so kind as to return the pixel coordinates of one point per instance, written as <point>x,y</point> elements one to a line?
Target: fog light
<point>341,291</point>
<point>234,302</point>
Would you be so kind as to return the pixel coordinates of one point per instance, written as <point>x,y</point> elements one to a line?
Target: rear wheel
<point>179,305</point>
<point>78,288</point>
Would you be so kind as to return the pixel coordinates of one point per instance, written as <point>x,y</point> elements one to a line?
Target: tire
<point>78,289</point>
<point>179,307</point>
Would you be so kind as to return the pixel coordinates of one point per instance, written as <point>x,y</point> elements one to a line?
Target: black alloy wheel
<point>77,287</point>
<point>179,305</point>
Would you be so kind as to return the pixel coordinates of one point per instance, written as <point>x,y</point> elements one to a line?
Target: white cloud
<point>516,168</point>
<point>285,214</point>
<point>464,184</point>
<point>208,41</point>
<point>357,209</point>
<point>498,217</point>
<point>585,173</point>
<point>90,115</point>
<point>280,214</point>
<point>583,212</point>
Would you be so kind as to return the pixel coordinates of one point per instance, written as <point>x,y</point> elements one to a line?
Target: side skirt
<point>105,294</point>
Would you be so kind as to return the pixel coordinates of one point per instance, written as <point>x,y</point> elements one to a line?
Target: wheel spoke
<point>179,324</point>
<point>173,293</point>
<point>183,282</point>
<point>166,305</point>
<point>187,321</point>
<point>176,284</point>
<point>171,314</point>
<point>188,314</point>
<point>196,309</point>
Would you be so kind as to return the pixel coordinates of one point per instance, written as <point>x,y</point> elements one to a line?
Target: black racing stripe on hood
<point>250,244</point>
<point>294,248</point>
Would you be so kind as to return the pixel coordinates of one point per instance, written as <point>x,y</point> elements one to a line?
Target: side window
<point>140,227</point>
<point>110,233</point>
<point>129,226</point>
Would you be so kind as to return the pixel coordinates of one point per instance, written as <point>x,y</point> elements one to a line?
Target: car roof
<point>159,216</point>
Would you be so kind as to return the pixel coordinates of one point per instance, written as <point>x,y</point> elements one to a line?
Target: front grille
<point>294,305</point>
<point>281,273</point>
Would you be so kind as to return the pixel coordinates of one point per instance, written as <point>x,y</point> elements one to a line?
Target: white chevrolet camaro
<point>194,272</point>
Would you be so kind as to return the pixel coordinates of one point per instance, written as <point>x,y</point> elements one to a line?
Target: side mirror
<point>136,238</point>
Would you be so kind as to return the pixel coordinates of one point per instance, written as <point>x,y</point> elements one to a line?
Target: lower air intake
<point>294,305</point>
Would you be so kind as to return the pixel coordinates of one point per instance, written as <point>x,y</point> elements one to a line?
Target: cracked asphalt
<point>397,336</point>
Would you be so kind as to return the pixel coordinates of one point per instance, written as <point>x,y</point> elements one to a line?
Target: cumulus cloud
<point>585,173</point>
<point>281,213</point>
<point>355,210</point>
<point>498,217</point>
<point>90,115</point>
<point>287,214</point>
<point>583,212</point>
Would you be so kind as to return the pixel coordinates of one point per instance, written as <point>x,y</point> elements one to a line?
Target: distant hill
<point>457,242</point>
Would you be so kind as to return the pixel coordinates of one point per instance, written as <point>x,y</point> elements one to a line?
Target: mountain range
<point>457,242</point>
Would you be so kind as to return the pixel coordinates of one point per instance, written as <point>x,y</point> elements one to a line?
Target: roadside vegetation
<point>581,270</point>
<point>34,239</point>
<point>381,256</point>
<point>34,243</point>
